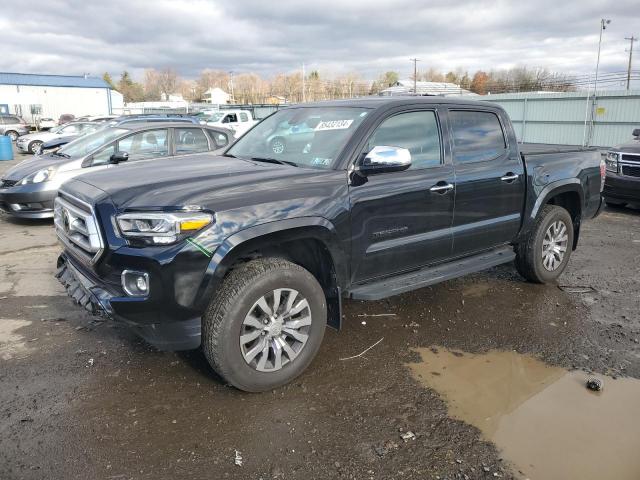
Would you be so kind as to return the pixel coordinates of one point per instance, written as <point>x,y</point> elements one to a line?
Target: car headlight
<point>161,228</point>
<point>612,161</point>
<point>40,176</point>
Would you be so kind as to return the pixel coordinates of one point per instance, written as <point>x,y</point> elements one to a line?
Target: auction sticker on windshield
<point>334,125</point>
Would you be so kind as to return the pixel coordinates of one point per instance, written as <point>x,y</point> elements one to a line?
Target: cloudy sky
<point>334,36</point>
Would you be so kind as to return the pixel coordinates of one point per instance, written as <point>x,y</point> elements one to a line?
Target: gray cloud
<point>335,36</point>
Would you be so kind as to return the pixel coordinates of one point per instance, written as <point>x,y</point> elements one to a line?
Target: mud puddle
<point>542,418</point>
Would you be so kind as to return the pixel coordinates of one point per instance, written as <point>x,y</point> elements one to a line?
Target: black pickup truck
<point>249,254</point>
<point>623,173</point>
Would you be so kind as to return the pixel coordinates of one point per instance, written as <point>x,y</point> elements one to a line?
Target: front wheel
<point>35,147</point>
<point>265,324</point>
<point>545,253</point>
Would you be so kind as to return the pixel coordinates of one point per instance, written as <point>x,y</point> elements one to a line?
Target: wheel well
<point>570,201</point>
<point>311,254</point>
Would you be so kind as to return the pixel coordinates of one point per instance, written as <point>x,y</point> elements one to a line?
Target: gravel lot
<point>84,399</point>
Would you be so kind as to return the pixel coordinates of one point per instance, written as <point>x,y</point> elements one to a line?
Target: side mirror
<point>384,159</point>
<point>119,157</point>
<point>636,132</point>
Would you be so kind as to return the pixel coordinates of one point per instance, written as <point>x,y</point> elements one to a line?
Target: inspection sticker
<point>334,125</point>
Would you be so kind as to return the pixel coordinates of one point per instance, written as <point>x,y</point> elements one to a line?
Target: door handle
<point>441,188</point>
<point>510,177</point>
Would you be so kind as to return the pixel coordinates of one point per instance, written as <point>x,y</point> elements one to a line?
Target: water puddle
<point>542,418</point>
<point>12,344</point>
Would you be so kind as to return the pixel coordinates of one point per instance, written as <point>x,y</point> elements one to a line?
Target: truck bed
<point>528,149</point>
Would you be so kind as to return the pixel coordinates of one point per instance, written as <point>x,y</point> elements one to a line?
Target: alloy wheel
<point>554,245</point>
<point>275,330</point>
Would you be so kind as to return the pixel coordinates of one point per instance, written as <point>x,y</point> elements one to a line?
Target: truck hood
<point>206,180</point>
<point>32,165</point>
<point>631,147</point>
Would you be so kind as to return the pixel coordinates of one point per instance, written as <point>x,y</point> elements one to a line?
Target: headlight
<point>40,176</point>
<point>612,161</point>
<point>161,228</point>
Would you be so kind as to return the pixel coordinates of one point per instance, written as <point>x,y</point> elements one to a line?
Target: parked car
<point>54,144</point>
<point>125,119</point>
<point>240,121</point>
<point>622,185</point>
<point>32,142</point>
<point>65,118</point>
<point>46,123</point>
<point>13,126</point>
<point>250,259</point>
<point>28,189</point>
<point>96,118</point>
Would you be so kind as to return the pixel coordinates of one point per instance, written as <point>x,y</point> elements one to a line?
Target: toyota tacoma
<point>249,254</point>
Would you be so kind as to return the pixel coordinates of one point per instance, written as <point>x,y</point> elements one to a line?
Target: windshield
<point>305,136</point>
<point>215,117</point>
<point>88,143</point>
<point>56,129</point>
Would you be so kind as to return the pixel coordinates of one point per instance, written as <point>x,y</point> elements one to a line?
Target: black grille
<point>630,158</point>
<point>631,171</point>
<point>7,183</point>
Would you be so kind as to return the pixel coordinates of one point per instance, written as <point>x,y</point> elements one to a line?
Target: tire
<point>530,261</point>
<point>227,318</point>
<point>13,135</point>
<point>34,147</point>
<point>278,145</point>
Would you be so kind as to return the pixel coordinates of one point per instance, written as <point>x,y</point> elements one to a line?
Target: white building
<point>37,96</point>
<point>216,95</point>
<point>405,87</point>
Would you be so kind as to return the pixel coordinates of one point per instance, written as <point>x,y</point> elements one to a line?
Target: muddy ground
<point>80,399</point>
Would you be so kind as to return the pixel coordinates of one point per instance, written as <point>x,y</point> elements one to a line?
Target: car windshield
<point>56,129</point>
<point>88,143</point>
<point>304,136</point>
<point>215,117</point>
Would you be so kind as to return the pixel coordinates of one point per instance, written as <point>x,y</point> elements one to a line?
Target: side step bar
<point>430,276</point>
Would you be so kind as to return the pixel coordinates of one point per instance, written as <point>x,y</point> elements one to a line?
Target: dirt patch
<point>13,344</point>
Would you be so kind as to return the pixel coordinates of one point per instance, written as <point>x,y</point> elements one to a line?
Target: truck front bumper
<point>101,299</point>
<point>622,188</point>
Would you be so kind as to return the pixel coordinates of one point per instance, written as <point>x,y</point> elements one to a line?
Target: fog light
<point>135,284</point>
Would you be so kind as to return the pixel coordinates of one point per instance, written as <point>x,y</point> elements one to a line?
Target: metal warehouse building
<point>566,118</point>
<point>41,96</point>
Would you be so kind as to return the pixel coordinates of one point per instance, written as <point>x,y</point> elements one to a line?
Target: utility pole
<point>303,93</point>
<point>233,98</point>
<point>603,26</point>
<point>415,74</point>
<point>631,40</point>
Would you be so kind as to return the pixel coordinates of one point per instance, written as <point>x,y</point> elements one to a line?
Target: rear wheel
<point>278,145</point>
<point>35,147</point>
<point>12,135</point>
<point>544,255</point>
<point>265,324</point>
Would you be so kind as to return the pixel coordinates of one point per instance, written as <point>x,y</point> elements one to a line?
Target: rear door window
<point>190,140</point>
<point>477,136</point>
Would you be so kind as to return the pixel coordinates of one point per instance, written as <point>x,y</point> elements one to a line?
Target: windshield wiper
<point>63,155</point>
<point>229,155</point>
<point>274,160</point>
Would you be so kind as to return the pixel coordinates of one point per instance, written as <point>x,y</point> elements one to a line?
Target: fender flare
<point>558,187</point>
<point>224,256</point>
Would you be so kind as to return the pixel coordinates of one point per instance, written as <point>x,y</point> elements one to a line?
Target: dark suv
<point>623,173</point>
<point>13,126</point>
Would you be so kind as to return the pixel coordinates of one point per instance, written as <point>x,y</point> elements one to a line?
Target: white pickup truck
<point>237,120</point>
